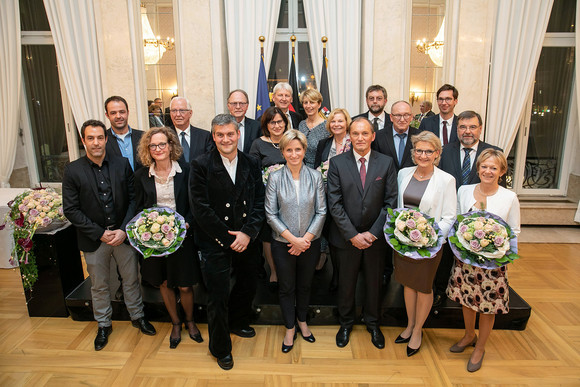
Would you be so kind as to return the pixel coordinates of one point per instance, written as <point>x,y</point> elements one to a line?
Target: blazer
<point>504,203</point>
<point>355,208</point>
<point>385,144</point>
<point>439,198</point>
<point>432,124</point>
<point>451,162</point>
<point>388,122</point>
<point>252,130</point>
<point>81,203</point>
<point>323,150</point>
<point>146,193</point>
<point>296,118</point>
<point>428,114</point>
<point>200,141</point>
<point>112,147</point>
<point>219,205</point>
<point>282,205</point>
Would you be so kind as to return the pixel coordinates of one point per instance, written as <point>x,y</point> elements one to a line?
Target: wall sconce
<point>413,97</point>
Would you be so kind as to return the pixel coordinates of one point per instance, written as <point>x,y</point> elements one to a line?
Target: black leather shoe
<point>412,351</point>
<point>226,362</point>
<point>102,337</point>
<point>310,339</point>
<point>246,331</point>
<point>144,326</point>
<point>174,341</point>
<point>400,339</point>
<point>377,337</point>
<point>288,348</point>
<point>195,336</point>
<point>342,337</point>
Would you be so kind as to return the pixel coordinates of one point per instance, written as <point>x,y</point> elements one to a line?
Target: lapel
<point>372,171</point>
<point>354,171</point>
<point>391,146</point>
<point>134,145</point>
<point>408,146</point>
<point>114,147</point>
<point>149,187</point>
<point>456,157</point>
<point>242,175</point>
<point>178,181</point>
<point>247,135</point>
<point>473,178</point>
<point>113,172</point>
<point>220,172</point>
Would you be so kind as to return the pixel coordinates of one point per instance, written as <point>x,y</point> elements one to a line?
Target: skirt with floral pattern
<point>483,290</point>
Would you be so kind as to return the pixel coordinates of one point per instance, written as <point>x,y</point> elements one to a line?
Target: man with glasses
<point>444,124</point>
<point>194,141</point>
<point>376,97</point>
<point>249,128</point>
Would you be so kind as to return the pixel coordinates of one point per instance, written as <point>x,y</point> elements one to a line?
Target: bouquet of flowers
<point>483,239</point>
<point>412,233</point>
<point>29,211</point>
<point>266,172</point>
<point>156,231</point>
<point>323,169</point>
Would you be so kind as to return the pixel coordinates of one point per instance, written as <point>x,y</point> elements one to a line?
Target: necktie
<point>401,146</point>
<point>376,124</point>
<point>185,147</point>
<point>445,140</point>
<point>363,171</point>
<point>466,167</point>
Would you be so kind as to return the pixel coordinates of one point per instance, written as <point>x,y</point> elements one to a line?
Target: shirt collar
<point>381,118</point>
<point>357,156</point>
<point>187,131</point>
<point>125,135</point>
<point>227,162</point>
<point>474,146</point>
<point>175,169</point>
<point>395,132</point>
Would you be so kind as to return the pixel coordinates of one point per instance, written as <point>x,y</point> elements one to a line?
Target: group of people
<point>214,179</point>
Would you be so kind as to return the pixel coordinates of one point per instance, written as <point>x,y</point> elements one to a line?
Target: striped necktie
<point>466,167</point>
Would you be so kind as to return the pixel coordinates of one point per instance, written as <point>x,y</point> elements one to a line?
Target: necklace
<point>272,142</point>
<point>423,176</point>
<point>483,193</point>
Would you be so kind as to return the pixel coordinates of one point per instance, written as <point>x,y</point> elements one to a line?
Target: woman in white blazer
<point>433,191</point>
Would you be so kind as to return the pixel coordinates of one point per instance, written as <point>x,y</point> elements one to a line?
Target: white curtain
<point>577,217</point>
<point>10,86</point>
<point>520,27</point>
<point>340,21</point>
<point>75,41</point>
<point>246,21</point>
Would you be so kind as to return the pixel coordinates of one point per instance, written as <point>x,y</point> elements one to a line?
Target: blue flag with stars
<point>262,95</point>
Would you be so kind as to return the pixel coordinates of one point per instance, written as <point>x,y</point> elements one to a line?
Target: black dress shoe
<point>377,337</point>
<point>195,336</point>
<point>245,332</point>
<point>342,337</point>
<point>144,326</point>
<point>412,351</point>
<point>102,337</point>
<point>174,341</point>
<point>226,362</point>
<point>288,348</point>
<point>310,339</point>
<point>400,339</point>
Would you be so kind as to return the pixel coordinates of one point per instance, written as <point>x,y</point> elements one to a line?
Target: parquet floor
<point>59,352</point>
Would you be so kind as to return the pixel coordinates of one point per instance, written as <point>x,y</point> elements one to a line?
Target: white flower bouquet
<point>412,233</point>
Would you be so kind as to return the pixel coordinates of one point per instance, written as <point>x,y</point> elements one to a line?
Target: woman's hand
<point>298,246</point>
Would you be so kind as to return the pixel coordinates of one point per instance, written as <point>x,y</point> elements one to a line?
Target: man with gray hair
<point>426,111</point>
<point>194,141</point>
<point>282,98</point>
<point>249,128</point>
<point>227,198</point>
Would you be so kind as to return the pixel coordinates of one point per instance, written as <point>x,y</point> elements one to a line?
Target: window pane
<point>283,18</point>
<point>45,109</point>
<point>280,65</point>
<point>306,78</point>
<point>562,17</point>
<point>301,17</point>
<point>33,16</point>
<point>550,107</point>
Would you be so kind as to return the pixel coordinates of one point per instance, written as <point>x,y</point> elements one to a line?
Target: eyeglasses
<point>471,127</point>
<point>426,152</point>
<point>405,116</point>
<point>159,146</point>
<point>276,123</point>
<point>180,111</point>
<point>448,99</point>
<point>237,104</point>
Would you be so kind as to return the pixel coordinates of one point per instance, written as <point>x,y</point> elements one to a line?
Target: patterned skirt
<point>483,290</point>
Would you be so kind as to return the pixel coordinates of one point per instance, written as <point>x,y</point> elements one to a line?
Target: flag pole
<point>324,40</point>
<point>262,39</point>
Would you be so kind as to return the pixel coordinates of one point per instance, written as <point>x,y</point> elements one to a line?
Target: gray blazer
<point>282,209</point>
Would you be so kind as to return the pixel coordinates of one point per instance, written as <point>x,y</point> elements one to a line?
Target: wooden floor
<point>59,352</point>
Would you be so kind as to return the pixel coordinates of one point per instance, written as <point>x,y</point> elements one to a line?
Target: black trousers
<point>444,270</point>
<point>295,275</point>
<point>350,261</point>
<point>227,309</point>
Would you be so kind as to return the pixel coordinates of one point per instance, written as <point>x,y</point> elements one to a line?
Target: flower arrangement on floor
<point>412,233</point>
<point>38,209</point>
<point>483,239</point>
<point>156,231</point>
<point>266,172</point>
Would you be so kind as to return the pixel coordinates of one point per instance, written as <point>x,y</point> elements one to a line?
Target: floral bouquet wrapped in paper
<point>483,239</point>
<point>156,231</point>
<point>412,233</point>
<point>323,169</point>
<point>266,172</point>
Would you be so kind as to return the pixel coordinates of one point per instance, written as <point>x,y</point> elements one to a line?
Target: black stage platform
<point>323,309</point>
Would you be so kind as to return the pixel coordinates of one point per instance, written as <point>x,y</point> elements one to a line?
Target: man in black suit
<point>227,199</point>
<point>98,199</point>
<point>376,97</point>
<point>282,98</point>
<point>362,185</point>
<point>249,128</point>
<point>122,139</point>
<point>459,160</point>
<point>444,124</point>
<point>194,141</point>
<point>426,111</point>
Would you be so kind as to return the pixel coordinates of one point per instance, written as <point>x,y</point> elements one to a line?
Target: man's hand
<point>370,238</point>
<point>118,237</point>
<point>108,236</point>
<point>241,242</point>
<point>360,241</point>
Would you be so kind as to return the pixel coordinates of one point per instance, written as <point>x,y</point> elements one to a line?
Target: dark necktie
<point>363,171</point>
<point>376,124</point>
<point>185,147</point>
<point>466,167</point>
<point>401,146</point>
<point>445,140</point>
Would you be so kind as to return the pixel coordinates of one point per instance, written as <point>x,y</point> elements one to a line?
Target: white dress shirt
<point>380,122</point>
<point>241,127</point>
<point>471,154</point>
<point>231,167</point>
<point>187,135</point>
<point>357,157</point>
<point>449,127</point>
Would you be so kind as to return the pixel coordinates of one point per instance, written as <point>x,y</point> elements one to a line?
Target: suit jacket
<point>385,144</point>
<point>439,199</point>
<point>428,114</point>
<point>200,141</point>
<point>296,118</point>
<point>81,203</point>
<point>322,151</point>
<point>252,130</point>
<point>112,147</point>
<point>451,162</point>
<point>388,122</point>
<point>146,193</point>
<point>220,205</point>
<point>355,209</point>
<point>432,124</point>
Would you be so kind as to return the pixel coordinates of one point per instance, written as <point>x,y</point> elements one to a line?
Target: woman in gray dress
<point>314,126</point>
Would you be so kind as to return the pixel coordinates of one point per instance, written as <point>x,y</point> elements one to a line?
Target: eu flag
<point>262,95</point>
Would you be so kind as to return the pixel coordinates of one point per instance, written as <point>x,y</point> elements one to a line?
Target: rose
<point>155,227</point>
<point>43,202</point>
<point>170,236</point>
<point>46,221</point>
<point>401,225</point>
<point>157,237</point>
<point>478,225</point>
<point>421,220</point>
<point>467,236</point>
<point>171,223</point>
<point>498,241</point>
<point>160,219</point>
<point>146,236</point>
<point>488,228</point>
<point>475,245</point>
<point>421,226</point>
<point>410,223</point>
<point>51,214</point>
<point>165,228</point>
<point>165,242</point>
<point>496,228</point>
<point>140,222</point>
<point>425,240</point>
<point>479,234</point>
<point>415,235</point>
<point>42,214</point>
<point>484,242</point>
<point>22,208</point>
<point>60,211</point>
<point>463,229</point>
<point>417,215</point>
<point>153,215</point>
<point>481,219</point>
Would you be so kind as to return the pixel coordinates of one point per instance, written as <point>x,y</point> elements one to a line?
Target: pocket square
<point>378,178</point>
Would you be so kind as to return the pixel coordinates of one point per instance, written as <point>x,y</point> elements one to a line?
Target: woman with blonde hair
<point>314,126</point>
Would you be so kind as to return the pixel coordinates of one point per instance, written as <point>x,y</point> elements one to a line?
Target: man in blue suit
<point>444,124</point>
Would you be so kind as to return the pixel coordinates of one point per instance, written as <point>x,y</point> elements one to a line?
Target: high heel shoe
<point>174,341</point>
<point>471,367</point>
<point>401,340</point>
<point>412,351</point>
<point>310,339</point>
<point>288,348</point>
<point>196,336</point>
<point>456,348</point>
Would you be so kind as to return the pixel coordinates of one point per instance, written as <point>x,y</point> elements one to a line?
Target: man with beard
<point>376,96</point>
<point>122,139</point>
